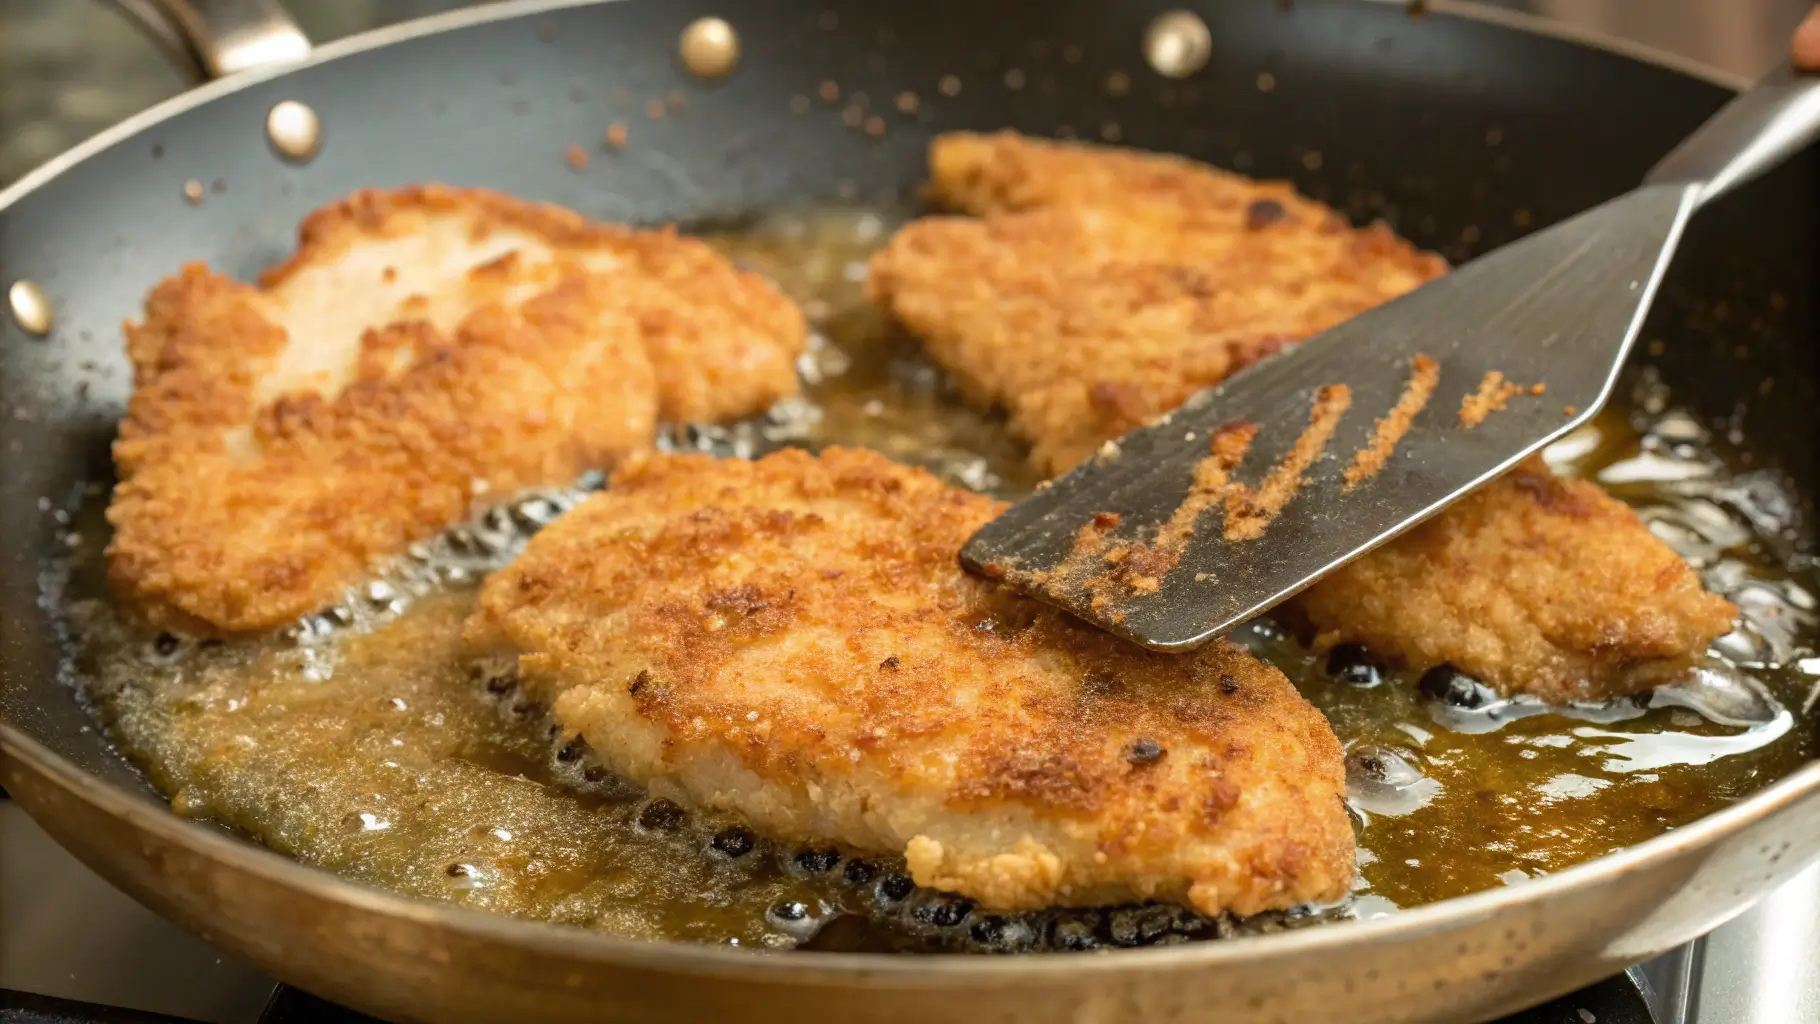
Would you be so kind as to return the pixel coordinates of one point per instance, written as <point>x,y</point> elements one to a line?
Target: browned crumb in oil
<point>1249,512</point>
<point>1424,374</point>
<point>1494,391</point>
<point>577,157</point>
<point>616,135</point>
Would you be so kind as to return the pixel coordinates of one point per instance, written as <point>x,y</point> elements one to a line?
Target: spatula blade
<point>1554,314</point>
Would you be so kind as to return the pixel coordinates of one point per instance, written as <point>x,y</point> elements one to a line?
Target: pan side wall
<point>1464,135</point>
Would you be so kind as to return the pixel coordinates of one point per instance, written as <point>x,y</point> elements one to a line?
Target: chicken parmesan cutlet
<point>793,640</point>
<point>422,348</point>
<point>1094,289</point>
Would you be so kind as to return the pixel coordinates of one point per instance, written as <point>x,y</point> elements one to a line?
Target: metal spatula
<point>1181,530</point>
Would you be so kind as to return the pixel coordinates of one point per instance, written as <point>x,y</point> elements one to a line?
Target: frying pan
<point>1463,126</point>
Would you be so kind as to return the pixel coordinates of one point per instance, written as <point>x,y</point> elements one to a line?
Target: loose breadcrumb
<point>1424,375</point>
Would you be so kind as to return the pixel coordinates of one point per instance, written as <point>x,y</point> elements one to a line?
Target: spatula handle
<point>1770,122</point>
<point>222,36</point>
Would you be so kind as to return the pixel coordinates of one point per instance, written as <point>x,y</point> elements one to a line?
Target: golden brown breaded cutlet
<point>793,640</point>
<point>1127,283</point>
<point>1102,287</point>
<point>422,347</point>
<point>1537,584</point>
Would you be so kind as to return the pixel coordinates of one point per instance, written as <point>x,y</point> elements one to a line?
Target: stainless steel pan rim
<point>29,756</point>
<point>539,936</point>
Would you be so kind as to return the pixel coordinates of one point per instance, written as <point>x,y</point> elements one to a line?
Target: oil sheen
<point>359,742</point>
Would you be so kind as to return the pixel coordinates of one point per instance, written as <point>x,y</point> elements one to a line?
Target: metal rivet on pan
<point>293,130</point>
<point>1177,44</point>
<point>30,307</point>
<point>709,47</point>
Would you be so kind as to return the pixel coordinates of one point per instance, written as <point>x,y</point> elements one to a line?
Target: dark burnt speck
<point>1451,686</point>
<point>660,816</point>
<point>1003,934</point>
<point>166,645</point>
<point>790,910</point>
<point>1229,685</point>
<point>733,842</point>
<point>817,862</point>
<point>1353,664</point>
<point>571,751</point>
<point>889,663</point>
<point>895,888</point>
<point>859,872</point>
<point>1264,212</point>
<point>1139,926</point>
<point>943,911</point>
<point>1144,750</point>
<point>1073,935</point>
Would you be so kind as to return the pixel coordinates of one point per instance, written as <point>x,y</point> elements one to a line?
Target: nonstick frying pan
<point>1464,125</point>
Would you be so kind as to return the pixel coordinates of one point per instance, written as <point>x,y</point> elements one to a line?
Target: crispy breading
<point>793,640</point>
<point>1131,282</point>
<point>421,348</point>
<point>1534,583</point>
<point>1005,172</point>
<point>1103,287</point>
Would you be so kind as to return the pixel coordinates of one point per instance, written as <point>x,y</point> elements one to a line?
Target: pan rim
<point>507,10</point>
<point>149,815</point>
<point>146,814</point>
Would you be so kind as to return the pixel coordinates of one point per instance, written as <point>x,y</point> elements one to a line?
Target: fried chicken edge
<point>216,533</point>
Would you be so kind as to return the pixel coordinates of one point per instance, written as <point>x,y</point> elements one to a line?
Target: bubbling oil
<point>359,741</point>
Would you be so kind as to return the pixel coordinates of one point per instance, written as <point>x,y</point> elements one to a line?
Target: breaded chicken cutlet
<point>793,640</point>
<point>1534,583</point>
<point>1104,287</point>
<point>421,348</point>
<point>1098,288</point>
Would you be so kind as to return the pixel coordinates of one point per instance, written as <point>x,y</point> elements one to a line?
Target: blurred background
<point>69,68</point>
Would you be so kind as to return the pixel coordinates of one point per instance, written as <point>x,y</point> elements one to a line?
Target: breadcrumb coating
<point>793,640</point>
<point>422,348</point>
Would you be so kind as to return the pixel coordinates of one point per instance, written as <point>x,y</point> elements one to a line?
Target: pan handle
<point>1770,122</point>
<point>221,37</point>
